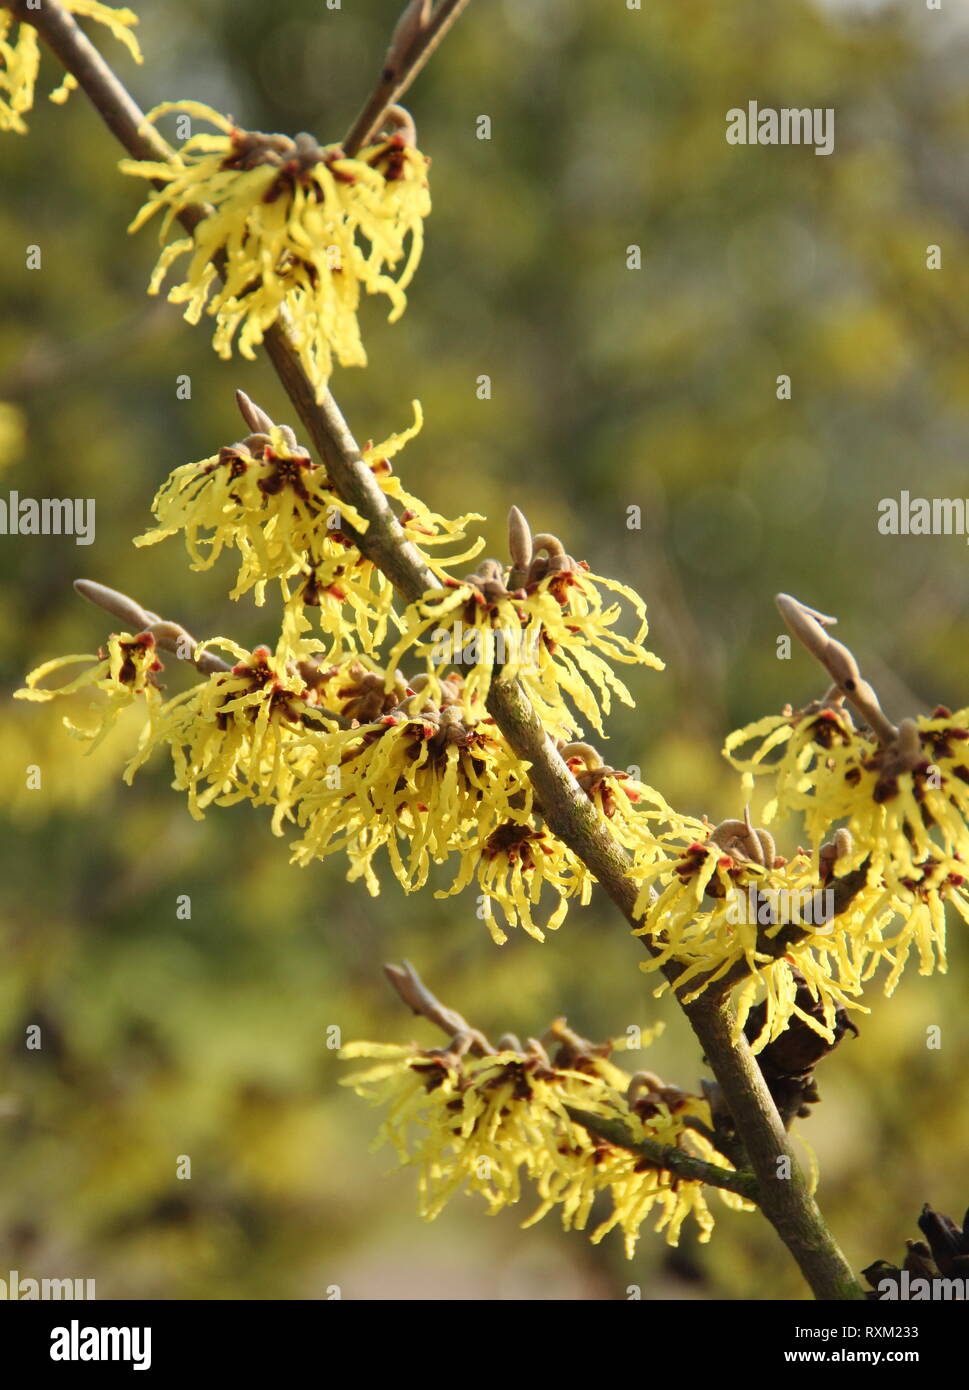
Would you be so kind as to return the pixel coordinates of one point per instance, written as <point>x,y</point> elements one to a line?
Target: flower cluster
<point>362,770</point>
<point>20,58</point>
<point>484,1123</point>
<point>294,225</point>
<point>554,632</point>
<point>229,735</point>
<point>234,737</point>
<point>427,782</point>
<point>413,781</point>
<point>514,860</point>
<point>830,917</point>
<point>903,802</point>
<point>720,904</point>
<point>267,498</point>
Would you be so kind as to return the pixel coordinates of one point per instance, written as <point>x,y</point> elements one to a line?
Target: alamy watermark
<point>19,1288</point>
<point>906,515</point>
<point>48,516</point>
<point>785,126</point>
<point>918,1289</point>
<point>472,646</point>
<point>771,907</point>
<point>77,1343</point>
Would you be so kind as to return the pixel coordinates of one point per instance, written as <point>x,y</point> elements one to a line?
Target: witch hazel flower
<point>500,1122</point>
<point>269,500</point>
<point>545,620</point>
<point>290,226</point>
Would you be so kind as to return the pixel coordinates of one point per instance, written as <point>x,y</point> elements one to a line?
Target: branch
<point>117,108</point>
<point>808,626</point>
<point>783,1194</point>
<point>667,1156</point>
<point>419,999</point>
<point>414,40</point>
<point>415,994</point>
<point>384,543</point>
<point>565,807</point>
<point>571,816</point>
<point>171,637</point>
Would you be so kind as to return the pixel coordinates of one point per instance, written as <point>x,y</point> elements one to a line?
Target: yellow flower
<point>485,1123</point>
<point>232,736</point>
<point>905,805</point>
<point>124,671</point>
<point>722,902</point>
<point>579,643</point>
<point>19,66</point>
<point>20,59</point>
<point>715,907</point>
<point>268,499</point>
<point>295,225</point>
<point>639,818</point>
<point>413,782</point>
<point>911,915</point>
<point>419,777</point>
<point>236,735</point>
<point>357,768</point>
<point>516,860</point>
<point>900,802</point>
<point>513,863</point>
<point>555,635</point>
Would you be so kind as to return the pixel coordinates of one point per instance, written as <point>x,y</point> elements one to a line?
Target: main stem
<point>783,1194</point>
<point>785,1201</point>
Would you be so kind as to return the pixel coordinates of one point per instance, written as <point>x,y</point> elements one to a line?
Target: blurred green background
<point>612,388</point>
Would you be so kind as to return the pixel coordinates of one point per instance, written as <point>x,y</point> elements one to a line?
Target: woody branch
<point>419,999</point>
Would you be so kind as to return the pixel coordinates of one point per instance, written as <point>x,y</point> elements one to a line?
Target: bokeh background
<point>612,388</point>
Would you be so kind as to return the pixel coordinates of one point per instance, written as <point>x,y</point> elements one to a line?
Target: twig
<point>808,626</point>
<point>171,637</point>
<point>384,543</point>
<point>667,1156</point>
<point>419,999</point>
<point>415,39</point>
<point>783,1194</point>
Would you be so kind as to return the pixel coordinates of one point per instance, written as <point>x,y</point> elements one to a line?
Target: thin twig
<point>419,999</point>
<point>171,637</point>
<point>808,626</point>
<point>412,45</point>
